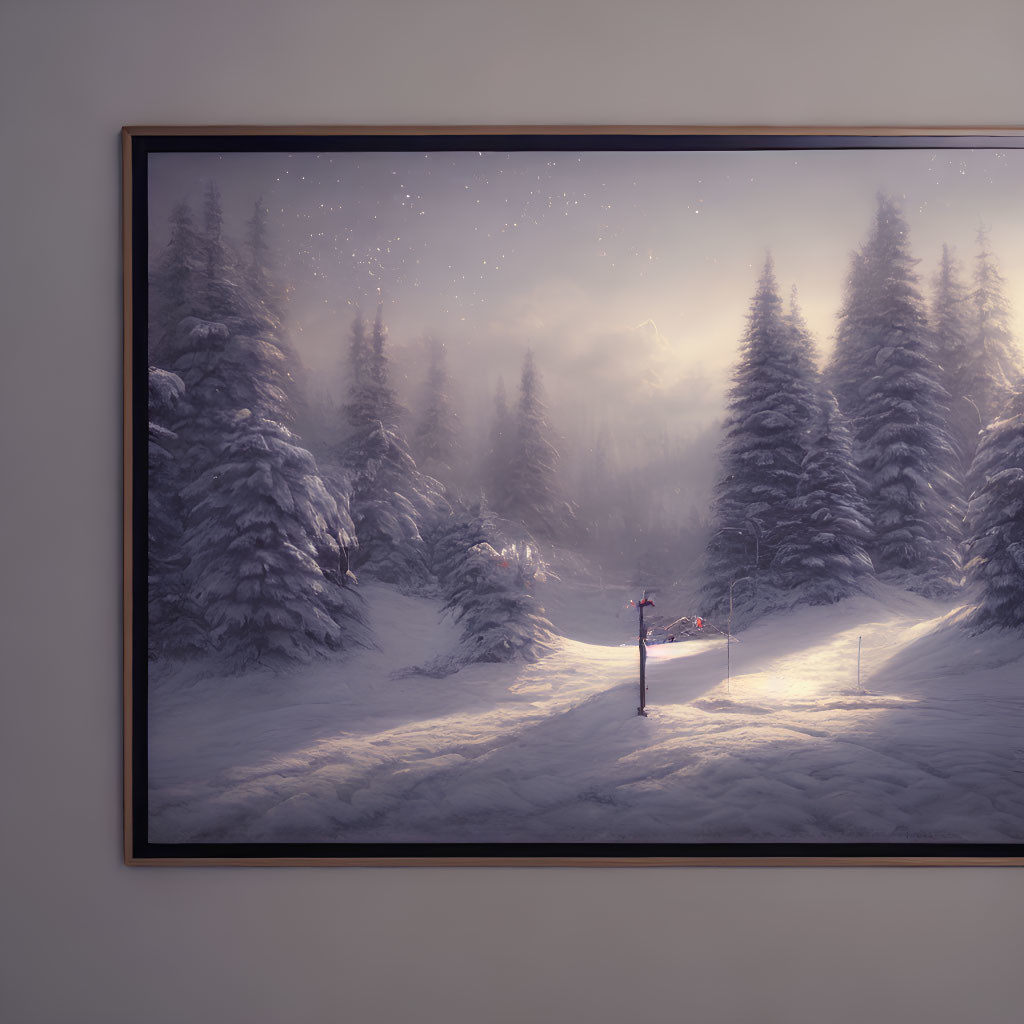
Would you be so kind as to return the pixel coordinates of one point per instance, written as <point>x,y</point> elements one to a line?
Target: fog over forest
<point>437,442</point>
<point>628,275</point>
<point>628,272</point>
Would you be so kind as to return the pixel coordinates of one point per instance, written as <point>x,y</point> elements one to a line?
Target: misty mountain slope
<point>791,751</point>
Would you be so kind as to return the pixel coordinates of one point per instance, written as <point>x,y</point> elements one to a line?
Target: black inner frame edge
<point>145,143</point>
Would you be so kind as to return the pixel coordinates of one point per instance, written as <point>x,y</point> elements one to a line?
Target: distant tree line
<point>902,461</point>
<point>256,536</point>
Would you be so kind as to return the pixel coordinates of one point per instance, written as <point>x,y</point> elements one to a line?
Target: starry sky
<point>628,273</point>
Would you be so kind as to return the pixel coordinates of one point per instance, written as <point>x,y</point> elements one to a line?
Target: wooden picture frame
<point>353,637</point>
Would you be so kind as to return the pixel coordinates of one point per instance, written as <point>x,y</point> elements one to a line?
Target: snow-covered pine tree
<point>174,621</point>
<point>489,591</point>
<point>995,519</point>
<point>884,376</point>
<point>235,354</point>
<point>390,502</point>
<point>852,355</point>
<point>532,488</point>
<point>992,361</point>
<point>371,399</point>
<point>262,300</point>
<point>824,558</point>
<point>260,277</point>
<point>770,407</point>
<point>201,274</point>
<point>360,408</point>
<point>265,547</point>
<point>388,409</point>
<point>174,283</point>
<point>950,329</point>
<point>165,515</point>
<point>437,434</point>
<point>390,499</point>
<point>226,366</point>
<point>802,340</point>
<point>241,466</point>
<point>220,284</point>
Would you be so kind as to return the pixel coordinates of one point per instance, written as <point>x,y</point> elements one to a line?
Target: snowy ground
<point>930,747</point>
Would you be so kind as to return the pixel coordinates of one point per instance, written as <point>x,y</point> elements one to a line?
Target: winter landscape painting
<point>575,496</point>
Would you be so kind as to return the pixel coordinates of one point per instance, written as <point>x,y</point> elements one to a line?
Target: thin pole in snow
<point>642,643</point>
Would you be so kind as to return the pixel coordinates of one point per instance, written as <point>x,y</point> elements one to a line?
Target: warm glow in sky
<point>628,273</point>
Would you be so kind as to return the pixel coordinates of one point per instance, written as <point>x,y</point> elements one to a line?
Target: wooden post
<point>642,643</point>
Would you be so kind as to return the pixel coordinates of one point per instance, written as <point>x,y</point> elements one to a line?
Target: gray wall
<point>85,939</point>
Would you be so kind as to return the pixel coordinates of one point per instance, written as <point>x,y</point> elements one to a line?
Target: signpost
<point>642,640</point>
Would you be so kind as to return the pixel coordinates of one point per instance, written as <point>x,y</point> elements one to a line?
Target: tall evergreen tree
<point>823,558</point>
<point>388,409</point>
<point>175,627</point>
<point>992,363</point>
<point>950,329</point>
<point>220,288</point>
<point>371,399</point>
<point>361,408</point>
<point>995,519</point>
<point>201,274</point>
<point>391,500</point>
<point>437,436</point>
<point>174,284</point>
<point>226,366</point>
<point>263,547</point>
<point>261,301</point>
<point>266,546</point>
<point>250,488</point>
<point>770,407</point>
<point>885,379</point>
<point>532,487</point>
<point>804,347</point>
<point>851,359</point>
<point>260,278</point>
<point>391,504</point>
<point>166,392</point>
<point>489,589</point>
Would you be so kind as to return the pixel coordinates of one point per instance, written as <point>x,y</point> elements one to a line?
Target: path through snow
<point>930,747</point>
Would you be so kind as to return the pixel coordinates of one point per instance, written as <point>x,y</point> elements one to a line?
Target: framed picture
<point>574,496</point>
